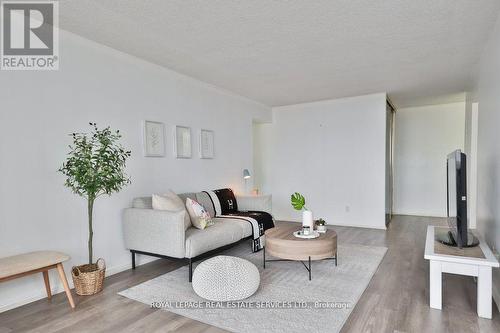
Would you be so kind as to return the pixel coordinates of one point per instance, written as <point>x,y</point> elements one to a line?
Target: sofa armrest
<point>155,231</point>
<point>261,203</point>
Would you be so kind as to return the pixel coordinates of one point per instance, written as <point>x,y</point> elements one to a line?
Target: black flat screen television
<point>456,171</point>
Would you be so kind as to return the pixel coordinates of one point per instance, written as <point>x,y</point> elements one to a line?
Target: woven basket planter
<point>89,279</point>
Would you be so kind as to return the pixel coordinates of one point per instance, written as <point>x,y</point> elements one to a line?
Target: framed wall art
<point>206,144</point>
<point>182,142</point>
<point>154,139</point>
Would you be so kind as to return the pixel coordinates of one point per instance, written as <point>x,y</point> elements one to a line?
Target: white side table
<point>479,267</point>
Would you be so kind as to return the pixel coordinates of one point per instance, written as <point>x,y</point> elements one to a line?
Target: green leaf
<point>298,201</point>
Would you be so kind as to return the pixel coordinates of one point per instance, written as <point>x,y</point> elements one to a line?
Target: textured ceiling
<point>287,52</point>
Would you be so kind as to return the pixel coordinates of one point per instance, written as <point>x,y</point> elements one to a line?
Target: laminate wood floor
<point>396,300</point>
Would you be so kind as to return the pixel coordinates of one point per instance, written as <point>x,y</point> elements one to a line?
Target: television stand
<point>447,238</point>
<point>475,261</point>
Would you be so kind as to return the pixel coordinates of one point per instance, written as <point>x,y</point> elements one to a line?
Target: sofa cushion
<point>167,201</point>
<point>199,216</point>
<point>143,203</point>
<point>225,231</point>
<point>226,201</point>
<point>171,202</point>
<point>184,196</point>
<point>204,199</point>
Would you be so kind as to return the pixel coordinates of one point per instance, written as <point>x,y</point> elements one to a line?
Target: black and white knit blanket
<point>225,206</point>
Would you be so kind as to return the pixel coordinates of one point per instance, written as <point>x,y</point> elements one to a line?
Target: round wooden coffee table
<point>282,244</point>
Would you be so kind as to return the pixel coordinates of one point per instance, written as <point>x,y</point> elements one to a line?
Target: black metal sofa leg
<point>133,259</point>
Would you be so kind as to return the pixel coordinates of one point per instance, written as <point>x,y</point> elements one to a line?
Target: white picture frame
<point>182,142</point>
<point>153,139</point>
<point>207,144</point>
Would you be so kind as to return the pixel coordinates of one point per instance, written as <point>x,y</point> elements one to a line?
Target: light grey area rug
<point>286,300</point>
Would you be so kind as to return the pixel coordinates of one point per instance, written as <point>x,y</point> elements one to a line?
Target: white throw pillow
<point>199,216</point>
<point>171,202</point>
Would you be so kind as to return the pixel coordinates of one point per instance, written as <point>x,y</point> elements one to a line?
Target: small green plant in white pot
<point>321,225</point>
<point>299,203</point>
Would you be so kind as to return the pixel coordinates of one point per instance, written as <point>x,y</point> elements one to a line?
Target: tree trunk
<point>90,209</point>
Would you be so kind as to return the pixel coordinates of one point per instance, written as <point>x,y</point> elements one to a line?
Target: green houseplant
<point>299,203</point>
<point>321,225</point>
<point>95,166</point>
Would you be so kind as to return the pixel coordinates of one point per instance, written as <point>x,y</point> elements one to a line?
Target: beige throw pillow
<point>199,216</point>
<point>171,202</point>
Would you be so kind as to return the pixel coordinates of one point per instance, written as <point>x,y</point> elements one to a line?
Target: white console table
<point>462,265</point>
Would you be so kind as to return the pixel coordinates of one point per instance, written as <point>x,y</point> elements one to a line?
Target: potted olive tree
<point>95,166</point>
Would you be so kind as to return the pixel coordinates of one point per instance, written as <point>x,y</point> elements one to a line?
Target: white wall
<point>261,157</point>
<point>488,168</point>
<point>95,83</point>
<point>470,147</point>
<point>424,136</point>
<point>333,152</point>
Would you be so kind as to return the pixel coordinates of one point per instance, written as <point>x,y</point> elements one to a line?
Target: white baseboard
<point>38,296</point>
<point>57,287</point>
<point>418,214</point>
<point>338,225</point>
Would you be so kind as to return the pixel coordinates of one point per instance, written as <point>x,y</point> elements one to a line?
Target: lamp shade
<point>246,174</point>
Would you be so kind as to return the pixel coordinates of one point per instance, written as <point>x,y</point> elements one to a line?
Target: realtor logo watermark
<point>30,35</point>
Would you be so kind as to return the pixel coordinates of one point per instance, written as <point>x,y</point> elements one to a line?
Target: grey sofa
<point>167,234</point>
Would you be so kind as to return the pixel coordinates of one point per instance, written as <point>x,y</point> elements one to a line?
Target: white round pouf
<point>225,278</point>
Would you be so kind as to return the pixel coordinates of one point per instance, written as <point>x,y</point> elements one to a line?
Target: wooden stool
<point>36,262</point>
